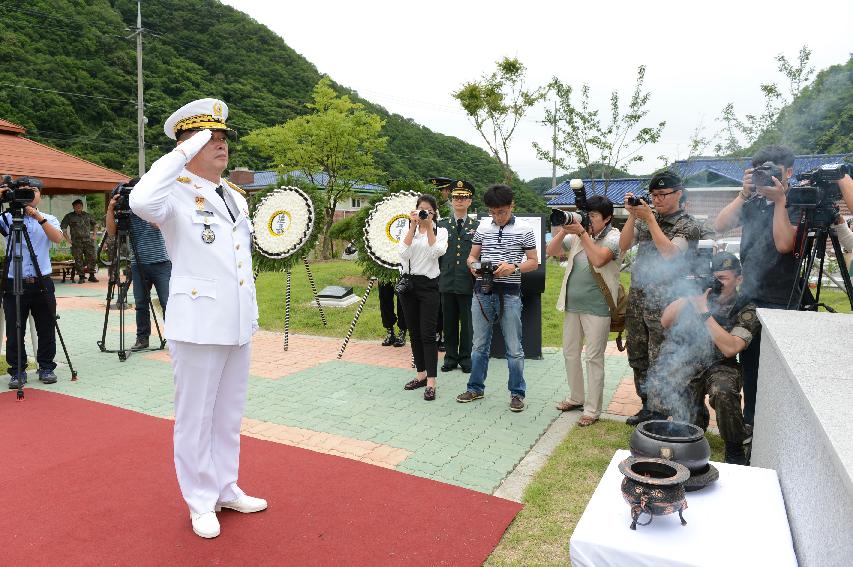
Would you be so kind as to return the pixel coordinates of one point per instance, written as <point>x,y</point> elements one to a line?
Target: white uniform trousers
<point>210,393</point>
<point>576,327</point>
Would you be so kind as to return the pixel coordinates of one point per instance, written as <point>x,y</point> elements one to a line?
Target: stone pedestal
<point>804,428</point>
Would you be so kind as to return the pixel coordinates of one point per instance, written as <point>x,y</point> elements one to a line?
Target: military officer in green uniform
<point>667,238</point>
<point>455,282</point>
<point>80,229</point>
<point>713,329</point>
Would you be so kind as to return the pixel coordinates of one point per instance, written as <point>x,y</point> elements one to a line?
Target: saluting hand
<point>192,145</point>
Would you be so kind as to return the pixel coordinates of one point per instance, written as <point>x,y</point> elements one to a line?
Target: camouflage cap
<point>724,261</point>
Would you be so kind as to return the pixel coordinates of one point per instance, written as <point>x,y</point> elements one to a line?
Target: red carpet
<point>92,484</point>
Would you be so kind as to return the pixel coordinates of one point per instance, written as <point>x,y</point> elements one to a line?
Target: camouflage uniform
<point>652,277</point>
<point>720,377</point>
<point>80,226</point>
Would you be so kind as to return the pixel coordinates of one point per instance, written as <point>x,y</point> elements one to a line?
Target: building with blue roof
<point>252,181</point>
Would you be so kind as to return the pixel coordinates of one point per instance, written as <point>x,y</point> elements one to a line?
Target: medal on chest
<point>207,234</point>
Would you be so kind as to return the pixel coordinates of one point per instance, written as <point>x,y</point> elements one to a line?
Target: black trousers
<point>386,307</point>
<point>458,331</point>
<point>42,306</point>
<point>421,308</point>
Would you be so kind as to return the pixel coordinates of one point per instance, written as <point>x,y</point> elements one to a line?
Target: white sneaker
<point>205,525</point>
<point>245,504</point>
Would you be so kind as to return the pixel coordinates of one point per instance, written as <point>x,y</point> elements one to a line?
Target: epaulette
<point>236,188</point>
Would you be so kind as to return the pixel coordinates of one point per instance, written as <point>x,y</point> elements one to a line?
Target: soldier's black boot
<point>390,339</point>
<point>401,339</point>
<point>735,455</point>
<point>92,278</point>
<point>640,417</point>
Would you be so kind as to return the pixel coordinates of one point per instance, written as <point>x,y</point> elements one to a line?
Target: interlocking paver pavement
<point>355,407</point>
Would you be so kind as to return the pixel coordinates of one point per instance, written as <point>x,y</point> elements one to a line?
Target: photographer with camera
<point>766,250</point>
<point>149,263</point>
<point>421,247</point>
<point>39,297</point>
<point>502,248</point>
<point>666,238</point>
<point>714,327</point>
<point>592,268</point>
<point>79,227</point>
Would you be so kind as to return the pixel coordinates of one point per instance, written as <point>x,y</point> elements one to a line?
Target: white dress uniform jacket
<point>212,298</point>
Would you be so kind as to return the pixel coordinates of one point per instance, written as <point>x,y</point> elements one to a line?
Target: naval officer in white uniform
<point>212,310</point>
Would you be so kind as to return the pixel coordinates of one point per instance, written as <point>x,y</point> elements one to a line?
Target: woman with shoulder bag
<point>420,249</point>
<point>593,260</point>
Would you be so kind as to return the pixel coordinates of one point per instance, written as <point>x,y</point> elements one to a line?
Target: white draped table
<point>738,520</point>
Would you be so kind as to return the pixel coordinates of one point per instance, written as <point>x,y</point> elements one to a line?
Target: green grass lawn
<point>305,319</point>
<point>559,493</point>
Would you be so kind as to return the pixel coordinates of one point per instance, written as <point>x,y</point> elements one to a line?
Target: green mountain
<point>820,119</point>
<point>68,74</point>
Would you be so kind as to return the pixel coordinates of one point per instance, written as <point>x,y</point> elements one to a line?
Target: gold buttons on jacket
<point>241,282</point>
<point>239,264</point>
<point>237,246</point>
<point>194,292</point>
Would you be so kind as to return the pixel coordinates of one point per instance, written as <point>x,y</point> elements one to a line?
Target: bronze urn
<point>654,487</point>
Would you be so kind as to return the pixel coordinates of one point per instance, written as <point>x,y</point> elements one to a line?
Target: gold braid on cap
<point>200,121</point>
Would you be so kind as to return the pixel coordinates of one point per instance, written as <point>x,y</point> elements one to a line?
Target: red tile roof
<point>60,172</point>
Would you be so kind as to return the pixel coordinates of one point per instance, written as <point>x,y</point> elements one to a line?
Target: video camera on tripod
<point>122,207</point>
<point>560,217</point>
<point>20,192</point>
<point>817,193</point>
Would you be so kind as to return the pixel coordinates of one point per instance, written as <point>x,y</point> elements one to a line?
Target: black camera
<point>560,217</point>
<point>122,206</point>
<point>404,285</point>
<point>422,214</point>
<point>486,270</point>
<point>818,192</point>
<point>637,200</point>
<point>701,276</point>
<point>763,174</point>
<point>21,191</point>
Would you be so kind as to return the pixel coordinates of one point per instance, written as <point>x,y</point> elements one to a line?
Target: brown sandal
<point>586,421</point>
<point>568,406</point>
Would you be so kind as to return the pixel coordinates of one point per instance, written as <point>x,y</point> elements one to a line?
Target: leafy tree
<point>333,147</point>
<point>738,133</point>
<point>496,105</point>
<point>606,144</point>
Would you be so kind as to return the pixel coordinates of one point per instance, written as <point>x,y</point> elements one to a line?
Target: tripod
<point>811,245</point>
<point>120,251</point>
<point>18,236</point>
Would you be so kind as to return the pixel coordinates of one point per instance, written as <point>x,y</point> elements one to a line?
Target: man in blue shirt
<point>39,297</point>
<point>149,266</point>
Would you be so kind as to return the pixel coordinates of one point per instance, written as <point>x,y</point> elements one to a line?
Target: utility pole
<point>140,109</point>
<point>554,150</point>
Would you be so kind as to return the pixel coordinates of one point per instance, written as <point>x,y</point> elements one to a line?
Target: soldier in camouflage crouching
<point>713,329</point>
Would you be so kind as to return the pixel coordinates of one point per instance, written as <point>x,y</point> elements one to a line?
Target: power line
<point>17,86</point>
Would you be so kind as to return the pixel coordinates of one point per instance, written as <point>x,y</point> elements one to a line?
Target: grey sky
<point>409,57</point>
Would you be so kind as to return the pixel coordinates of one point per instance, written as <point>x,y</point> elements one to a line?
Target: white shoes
<point>205,525</point>
<point>245,504</point>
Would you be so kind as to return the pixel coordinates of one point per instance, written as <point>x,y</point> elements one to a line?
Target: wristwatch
<point>517,269</point>
<point>705,316</point>
<point>42,221</point>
